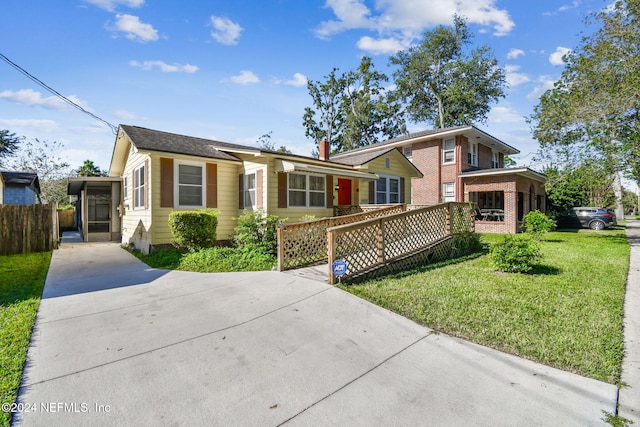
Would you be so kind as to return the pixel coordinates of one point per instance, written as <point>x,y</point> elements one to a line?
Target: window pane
<point>251,181</point>
<point>449,144</point>
<point>393,198</point>
<point>448,156</point>
<point>316,183</point>
<point>381,185</point>
<point>190,174</point>
<point>190,196</point>
<point>316,199</point>
<point>297,198</point>
<point>250,198</point>
<point>381,198</point>
<point>141,176</point>
<point>394,185</point>
<point>297,182</point>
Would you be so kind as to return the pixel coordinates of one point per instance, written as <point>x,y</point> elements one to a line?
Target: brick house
<point>465,164</point>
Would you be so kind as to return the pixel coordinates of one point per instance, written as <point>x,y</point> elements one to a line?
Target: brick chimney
<point>324,149</point>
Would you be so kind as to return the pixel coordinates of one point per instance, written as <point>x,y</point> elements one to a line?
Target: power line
<point>114,129</point>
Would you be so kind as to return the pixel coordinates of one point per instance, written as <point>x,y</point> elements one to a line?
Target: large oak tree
<point>444,83</point>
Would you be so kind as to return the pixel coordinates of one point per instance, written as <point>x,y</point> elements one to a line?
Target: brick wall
<point>426,157</point>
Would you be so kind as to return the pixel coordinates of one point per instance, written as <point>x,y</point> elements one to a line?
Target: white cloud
<point>411,18</point>
<point>563,8</point>
<point>32,98</point>
<point>225,31</point>
<point>513,77</point>
<point>134,29</point>
<point>381,46</point>
<point>505,114</point>
<point>545,83</point>
<point>27,126</point>
<point>245,77</point>
<point>125,115</point>
<point>515,53</point>
<point>556,57</point>
<point>298,80</point>
<point>110,5</point>
<point>164,67</point>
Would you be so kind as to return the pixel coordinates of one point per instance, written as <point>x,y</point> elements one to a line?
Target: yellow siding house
<point>161,172</point>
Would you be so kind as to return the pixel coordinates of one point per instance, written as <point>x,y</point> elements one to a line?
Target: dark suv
<point>593,218</point>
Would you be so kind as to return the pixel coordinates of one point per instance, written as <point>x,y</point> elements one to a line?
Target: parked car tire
<point>596,225</point>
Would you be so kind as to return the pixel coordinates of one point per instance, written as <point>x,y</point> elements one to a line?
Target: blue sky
<point>235,70</point>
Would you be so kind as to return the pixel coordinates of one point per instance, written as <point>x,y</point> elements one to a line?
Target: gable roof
<point>25,179</point>
<point>154,140</point>
<point>358,159</point>
<point>471,132</point>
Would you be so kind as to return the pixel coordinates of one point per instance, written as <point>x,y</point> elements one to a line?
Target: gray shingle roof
<point>28,179</point>
<point>154,140</point>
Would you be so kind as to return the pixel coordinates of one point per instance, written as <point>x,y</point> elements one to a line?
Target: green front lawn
<point>21,281</point>
<point>566,313</point>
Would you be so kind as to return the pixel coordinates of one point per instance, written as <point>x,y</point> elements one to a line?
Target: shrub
<point>224,259</point>
<point>515,254</point>
<point>194,229</point>
<point>537,224</point>
<point>257,229</point>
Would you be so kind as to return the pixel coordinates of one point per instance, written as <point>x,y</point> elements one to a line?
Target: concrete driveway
<point>118,343</point>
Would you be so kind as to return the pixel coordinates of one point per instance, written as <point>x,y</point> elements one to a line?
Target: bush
<point>256,229</point>
<point>537,224</point>
<point>515,254</point>
<point>194,229</point>
<point>224,259</point>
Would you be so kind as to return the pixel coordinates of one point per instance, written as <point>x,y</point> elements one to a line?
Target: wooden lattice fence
<point>402,241</point>
<point>305,243</point>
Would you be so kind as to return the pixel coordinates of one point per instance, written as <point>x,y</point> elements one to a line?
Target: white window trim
<point>452,196</point>
<point>495,159</point>
<point>407,151</point>
<point>387,197</point>
<point>176,184</point>
<point>452,150</point>
<point>139,190</point>
<point>308,191</point>
<point>246,189</point>
<point>125,185</point>
<point>473,152</point>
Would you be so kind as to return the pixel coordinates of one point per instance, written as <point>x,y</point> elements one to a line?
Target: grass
<point>566,313</point>
<point>21,281</point>
<point>211,260</point>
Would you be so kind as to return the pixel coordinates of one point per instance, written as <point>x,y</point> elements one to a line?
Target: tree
<point>442,83</point>
<point>326,98</point>
<point>587,184</point>
<point>264,142</point>
<point>8,143</point>
<point>42,157</point>
<point>368,112</point>
<point>594,105</point>
<point>88,168</point>
<point>353,109</point>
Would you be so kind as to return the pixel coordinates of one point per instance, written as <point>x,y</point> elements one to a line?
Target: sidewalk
<point>629,395</point>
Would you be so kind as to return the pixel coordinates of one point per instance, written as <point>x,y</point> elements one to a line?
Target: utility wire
<point>114,129</point>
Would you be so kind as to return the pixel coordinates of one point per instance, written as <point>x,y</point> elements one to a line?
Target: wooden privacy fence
<point>305,243</point>
<point>28,228</point>
<point>402,241</point>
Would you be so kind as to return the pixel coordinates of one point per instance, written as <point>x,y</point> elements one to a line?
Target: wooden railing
<point>390,242</point>
<point>305,243</point>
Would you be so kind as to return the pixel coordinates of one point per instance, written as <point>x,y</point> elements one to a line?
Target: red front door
<point>344,191</point>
